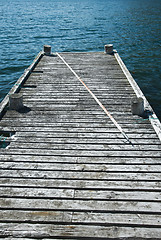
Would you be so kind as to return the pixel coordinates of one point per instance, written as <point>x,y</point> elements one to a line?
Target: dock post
<point>47,49</point>
<point>108,48</point>
<point>15,101</point>
<point>137,106</point>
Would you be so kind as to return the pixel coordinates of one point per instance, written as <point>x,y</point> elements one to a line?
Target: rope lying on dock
<point>96,99</point>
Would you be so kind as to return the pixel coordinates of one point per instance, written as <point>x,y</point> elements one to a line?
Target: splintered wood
<point>67,171</point>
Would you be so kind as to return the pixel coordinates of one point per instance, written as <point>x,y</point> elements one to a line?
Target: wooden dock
<point>67,171</point>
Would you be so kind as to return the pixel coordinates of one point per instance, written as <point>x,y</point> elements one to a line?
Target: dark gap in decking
<point>85,179</point>
<point>84,188</point>
<point>61,155</point>
<point>46,236</point>
<point>82,199</point>
<point>91,163</point>
<point>84,150</point>
<point>29,86</point>
<point>87,223</point>
<point>86,171</point>
<point>37,71</point>
<point>80,143</point>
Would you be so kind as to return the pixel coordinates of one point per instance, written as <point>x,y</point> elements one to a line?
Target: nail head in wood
<point>47,49</point>
<point>15,101</point>
<point>137,106</point>
<point>109,48</point>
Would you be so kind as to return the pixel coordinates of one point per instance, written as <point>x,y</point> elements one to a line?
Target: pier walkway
<point>66,169</point>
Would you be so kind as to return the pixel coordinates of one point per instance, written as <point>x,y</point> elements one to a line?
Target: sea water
<point>132,26</point>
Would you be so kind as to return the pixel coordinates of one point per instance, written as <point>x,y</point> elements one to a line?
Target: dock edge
<point>152,118</point>
<point>19,82</point>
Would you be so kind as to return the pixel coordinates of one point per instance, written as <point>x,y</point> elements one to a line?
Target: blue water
<point>133,26</point>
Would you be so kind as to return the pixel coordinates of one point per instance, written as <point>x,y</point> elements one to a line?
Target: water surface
<point>133,26</point>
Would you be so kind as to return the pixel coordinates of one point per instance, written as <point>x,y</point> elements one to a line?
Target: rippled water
<point>133,26</point>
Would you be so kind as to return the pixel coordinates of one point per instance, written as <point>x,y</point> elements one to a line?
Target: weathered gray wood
<point>83,184</point>
<point>81,152</point>
<point>79,174</point>
<point>69,230</point>
<point>138,160</point>
<point>72,124</point>
<point>37,216</point>
<point>87,146</point>
<point>84,217</point>
<point>131,195</point>
<point>87,167</point>
<point>92,147</point>
<point>27,192</point>
<point>65,115</point>
<point>88,137</point>
<point>67,171</point>
<point>103,129</point>
<point>75,205</point>
<point>39,193</point>
<point>74,140</point>
<point>124,219</point>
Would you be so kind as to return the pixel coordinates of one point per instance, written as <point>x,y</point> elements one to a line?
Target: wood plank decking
<point>66,170</point>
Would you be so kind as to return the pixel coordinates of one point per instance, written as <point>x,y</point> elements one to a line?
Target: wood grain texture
<point>68,172</point>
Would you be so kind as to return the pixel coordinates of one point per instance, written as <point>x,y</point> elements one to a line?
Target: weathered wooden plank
<point>83,184</point>
<point>46,87</point>
<point>80,217</point>
<point>78,231</point>
<point>83,167</point>
<point>20,238</point>
<point>91,147</point>
<point>37,192</point>
<point>75,205</point>
<point>104,81</point>
<point>74,102</point>
<point>57,140</point>
<point>120,219</point>
<point>81,152</point>
<point>45,193</point>
<point>76,135</point>
<point>92,117</point>
<point>71,103</point>
<point>103,129</point>
<point>90,106</point>
<point>75,112</point>
<point>125,108</point>
<point>40,122</point>
<point>62,86</point>
<point>69,159</point>
<point>131,195</point>
<point>71,79</point>
<point>75,120</point>
<point>36,216</point>
<point>82,94</point>
<point>87,67</point>
<point>67,174</point>
<point>77,86</point>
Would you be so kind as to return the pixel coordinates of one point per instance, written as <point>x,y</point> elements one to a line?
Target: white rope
<point>96,99</point>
